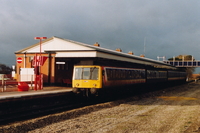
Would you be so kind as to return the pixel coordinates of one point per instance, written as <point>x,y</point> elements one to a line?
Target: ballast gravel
<point>173,110</point>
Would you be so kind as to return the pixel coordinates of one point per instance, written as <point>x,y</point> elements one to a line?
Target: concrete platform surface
<point>12,92</point>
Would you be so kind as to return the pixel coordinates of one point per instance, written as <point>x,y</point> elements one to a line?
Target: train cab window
<point>87,73</point>
<point>94,72</point>
<point>78,73</point>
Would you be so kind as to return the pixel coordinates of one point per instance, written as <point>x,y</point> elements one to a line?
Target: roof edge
<point>36,44</point>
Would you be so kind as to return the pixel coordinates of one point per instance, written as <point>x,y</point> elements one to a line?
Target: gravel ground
<point>176,110</point>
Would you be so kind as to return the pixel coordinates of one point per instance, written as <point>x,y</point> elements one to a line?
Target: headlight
<point>77,84</point>
<point>94,85</point>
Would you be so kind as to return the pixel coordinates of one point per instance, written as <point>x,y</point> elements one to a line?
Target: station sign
<point>60,63</point>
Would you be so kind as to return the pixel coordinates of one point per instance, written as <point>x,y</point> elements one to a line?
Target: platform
<point>14,94</point>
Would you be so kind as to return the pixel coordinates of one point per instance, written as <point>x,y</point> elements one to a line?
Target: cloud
<point>171,27</point>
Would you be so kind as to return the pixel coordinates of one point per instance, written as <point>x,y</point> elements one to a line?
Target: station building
<point>62,54</point>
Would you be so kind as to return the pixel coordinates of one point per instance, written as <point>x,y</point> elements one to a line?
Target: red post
<point>35,87</point>
<point>39,77</point>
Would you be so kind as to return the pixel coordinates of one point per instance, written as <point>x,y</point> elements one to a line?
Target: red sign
<point>38,61</point>
<point>41,38</point>
<point>19,60</point>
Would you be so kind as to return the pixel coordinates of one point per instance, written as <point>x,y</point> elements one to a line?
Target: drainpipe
<point>24,59</point>
<point>49,69</point>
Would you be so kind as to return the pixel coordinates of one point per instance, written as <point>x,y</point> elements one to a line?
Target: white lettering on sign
<point>60,62</point>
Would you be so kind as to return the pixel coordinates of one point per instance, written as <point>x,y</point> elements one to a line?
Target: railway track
<point>36,107</point>
<point>27,110</point>
<point>21,110</point>
<point>34,112</point>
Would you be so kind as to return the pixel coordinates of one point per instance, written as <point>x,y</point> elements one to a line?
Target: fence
<point>5,82</point>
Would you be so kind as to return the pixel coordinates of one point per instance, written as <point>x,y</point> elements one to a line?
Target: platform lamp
<point>40,59</point>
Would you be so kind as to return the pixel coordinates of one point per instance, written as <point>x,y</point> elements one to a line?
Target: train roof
<point>69,48</point>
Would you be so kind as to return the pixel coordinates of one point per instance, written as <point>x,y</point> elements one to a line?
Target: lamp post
<point>39,64</point>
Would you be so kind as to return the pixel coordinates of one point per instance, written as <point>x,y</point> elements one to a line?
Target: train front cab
<point>87,79</point>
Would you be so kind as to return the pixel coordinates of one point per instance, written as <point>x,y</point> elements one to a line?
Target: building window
<point>62,65</point>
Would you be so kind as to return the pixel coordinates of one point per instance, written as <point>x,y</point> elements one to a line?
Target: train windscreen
<point>89,73</point>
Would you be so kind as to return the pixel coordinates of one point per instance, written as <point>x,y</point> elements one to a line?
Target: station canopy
<point>68,48</point>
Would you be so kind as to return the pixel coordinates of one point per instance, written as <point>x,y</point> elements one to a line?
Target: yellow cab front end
<point>87,78</point>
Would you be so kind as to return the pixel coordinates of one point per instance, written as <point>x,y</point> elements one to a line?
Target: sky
<point>151,27</point>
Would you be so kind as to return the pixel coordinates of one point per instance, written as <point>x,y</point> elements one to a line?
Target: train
<point>89,79</point>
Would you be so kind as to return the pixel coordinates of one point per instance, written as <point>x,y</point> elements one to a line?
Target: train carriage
<point>114,76</point>
<point>91,78</point>
<point>156,76</point>
<point>176,75</point>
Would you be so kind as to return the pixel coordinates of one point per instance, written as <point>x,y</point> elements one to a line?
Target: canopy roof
<point>68,48</point>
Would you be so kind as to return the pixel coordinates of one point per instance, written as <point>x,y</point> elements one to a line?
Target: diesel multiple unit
<point>90,79</point>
